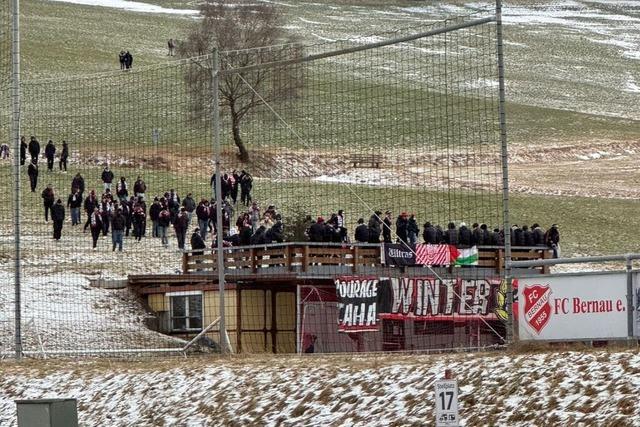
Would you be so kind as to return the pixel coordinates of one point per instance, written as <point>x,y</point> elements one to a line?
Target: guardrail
<point>311,257</point>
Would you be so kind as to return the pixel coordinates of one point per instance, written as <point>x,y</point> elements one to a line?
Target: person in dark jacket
<point>50,154</point>
<point>197,242</point>
<point>538,235</point>
<point>95,221</point>
<point>139,188</point>
<point>464,236</point>
<point>57,215</point>
<point>32,171</point>
<point>402,225</point>
<point>246,184</point>
<point>173,203</point>
<point>386,227</point>
<point>413,230</point>
<point>106,210</point>
<point>189,206</point>
<point>552,239</point>
<point>258,238</point>
<point>122,189</point>
<point>361,232</point>
<point>527,236</point>
<point>316,232</point>
<point>276,232</point>
<point>375,227</point>
<point>118,222</point>
<point>90,203</point>
<point>235,183</point>
<point>202,213</point>
<point>180,226</point>
<point>64,156</point>
<point>74,202</point>
<point>486,234</point>
<point>78,183</point>
<point>154,213</point>
<point>138,219</point>
<point>245,234</point>
<point>48,198</point>
<point>451,235</point>
<point>164,219</point>
<point>23,151</point>
<point>107,178</point>
<point>477,235</point>
<point>34,149</point>
<point>517,238</point>
<point>429,234</point>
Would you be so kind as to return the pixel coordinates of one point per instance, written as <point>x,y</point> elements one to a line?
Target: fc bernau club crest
<point>537,309</point>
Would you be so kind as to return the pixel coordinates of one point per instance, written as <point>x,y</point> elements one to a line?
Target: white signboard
<point>575,307</point>
<point>447,403</point>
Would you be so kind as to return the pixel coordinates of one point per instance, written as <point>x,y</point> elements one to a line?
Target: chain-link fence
<point>360,197</point>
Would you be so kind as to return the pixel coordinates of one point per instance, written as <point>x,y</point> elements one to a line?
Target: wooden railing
<point>323,258</point>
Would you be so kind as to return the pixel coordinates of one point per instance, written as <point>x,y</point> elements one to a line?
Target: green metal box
<point>47,413</point>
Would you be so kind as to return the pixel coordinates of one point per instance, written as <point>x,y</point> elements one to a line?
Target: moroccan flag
<point>467,256</point>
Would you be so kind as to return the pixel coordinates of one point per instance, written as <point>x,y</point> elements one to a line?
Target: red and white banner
<point>572,307</point>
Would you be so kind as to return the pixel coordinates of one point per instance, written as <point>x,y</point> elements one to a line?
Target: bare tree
<point>233,29</point>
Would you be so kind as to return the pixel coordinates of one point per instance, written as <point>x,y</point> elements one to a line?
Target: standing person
<point>552,239</point>
<point>464,236</point>
<point>254,215</point>
<point>413,230</point>
<point>173,203</point>
<point>127,212</point>
<point>361,233</point>
<point>78,183</point>
<point>90,204</point>
<point>171,45</point>
<point>386,227</point>
<point>57,216</point>
<point>202,213</point>
<point>154,214</point>
<point>32,171</point>
<point>34,149</point>
<point>106,210</point>
<point>23,151</point>
<point>246,184</point>
<point>430,234</point>
<point>95,221</point>
<point>164,219</point>
<point>64,156</point>
<point>341,226</point>
<point>107,178</point>
<point>117,229</point>
<point>139,188</point>
<point>74,202</point>
<point>235,182</point>
<point>538,235</point>
<point>402,228</point>
<point>375,227</point>
<point>180,226</point>
<point>450,237</point>
<point>128,60</point>
<point>50,154</point>
<point>121,58</point>
<point>122,189</point>
<point>48,198</point>
<point>189,206</point>
<point>143,206</point>
<point>213,186</point>
<point>138,220</point>
<point>4,151</point>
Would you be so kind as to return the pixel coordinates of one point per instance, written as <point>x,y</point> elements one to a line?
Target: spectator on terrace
<point>477,235</point>
<point>34,149</point>
<point>57,216</point>
<point>402,224</point>
<point>386,227</point>
<point>23,151</point>
<point>451,235</point>
<point>50,154</point>
<point>527,236</point>
<point>538,235</point>
<point>48,198</point>
<point>464,236</point>
<point>412,230</point>
<point>552,239</point>
<point>361,233</point>
<point>316,232</point>
<point>107,178</point>
<point>375,227</point>
<point>64,156</point>
<point>429,234</point>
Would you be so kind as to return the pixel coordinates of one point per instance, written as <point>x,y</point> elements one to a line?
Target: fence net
<point>316,155</point>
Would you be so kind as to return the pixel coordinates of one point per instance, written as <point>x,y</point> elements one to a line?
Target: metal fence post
<point>15,89</point>
<point>504,155</point>
<point>215,78</point>
<point>630,305</point>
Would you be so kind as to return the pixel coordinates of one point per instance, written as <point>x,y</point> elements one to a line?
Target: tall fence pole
<point>15,94</point>
<point>218,185</point>
<point>504,154</point>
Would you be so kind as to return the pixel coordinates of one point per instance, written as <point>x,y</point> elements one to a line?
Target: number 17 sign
<point>447,403</point>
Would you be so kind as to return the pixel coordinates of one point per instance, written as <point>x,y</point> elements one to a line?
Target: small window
<point>186,312</point>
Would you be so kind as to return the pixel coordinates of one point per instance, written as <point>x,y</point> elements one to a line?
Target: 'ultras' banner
<point>357,303</point>
<point>423,254</point>
<point>572,307</point>
<point>363,301</point>
<point>429,298</point>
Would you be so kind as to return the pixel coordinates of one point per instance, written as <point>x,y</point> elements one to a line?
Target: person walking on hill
<point>246,184</point>
<point>32,171</point>
<point>117,229</point>
<point>34,149</point>
<point>95,221</point>
<point>23,151</point>
<point>122,190</point>
<point>107,178</point>
<point>50,154</point>
<point>4,151</point>
<point>64,156</point>
<point>90,203</point>
<point>171,45</point>
<point>138,220</point>
<point>180,226</point>
<point>189,206</point>
<point>121,58</point>
<point>164,219</point>
<point>57,215</point>
<point>154,214</point>
<point>78,183</point>
<point>48,198</point>
<point>139,188</point>
<point>128,60</point>
<point>74,202</point>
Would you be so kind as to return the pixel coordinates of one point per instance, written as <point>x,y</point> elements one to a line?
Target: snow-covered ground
<point>132,6</point>
<point>589,388</point>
